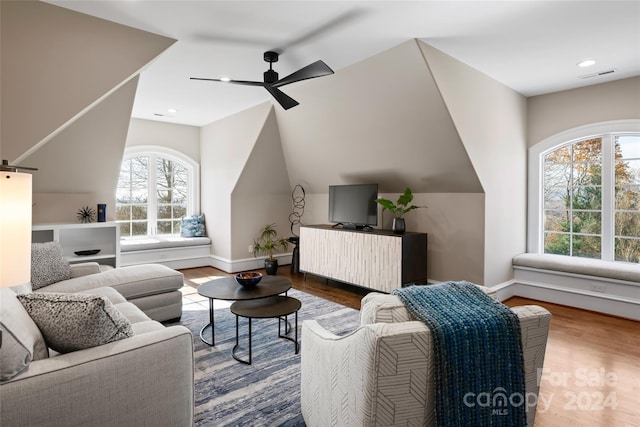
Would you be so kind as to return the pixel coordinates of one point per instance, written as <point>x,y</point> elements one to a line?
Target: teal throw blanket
<point>479,374</point>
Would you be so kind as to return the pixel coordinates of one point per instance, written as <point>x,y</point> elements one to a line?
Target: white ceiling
<point>530,46</point>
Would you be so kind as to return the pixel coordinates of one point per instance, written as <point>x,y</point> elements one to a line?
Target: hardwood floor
<point>591,374</point>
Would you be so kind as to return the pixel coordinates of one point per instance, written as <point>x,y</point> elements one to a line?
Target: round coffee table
<point>228,289</point>
<point>277,306</point>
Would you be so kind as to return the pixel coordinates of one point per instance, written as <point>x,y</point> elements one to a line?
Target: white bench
<point>593,284</point>
<point>174,252</point>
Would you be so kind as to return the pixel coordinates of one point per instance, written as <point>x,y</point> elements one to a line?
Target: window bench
<point>604,286</point>
<point>174,252</point>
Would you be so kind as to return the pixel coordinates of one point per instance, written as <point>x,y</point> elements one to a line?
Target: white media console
<point>377,259</point>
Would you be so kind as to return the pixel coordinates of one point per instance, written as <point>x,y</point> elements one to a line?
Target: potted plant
<point>268,243</point>
<point>399,209</point>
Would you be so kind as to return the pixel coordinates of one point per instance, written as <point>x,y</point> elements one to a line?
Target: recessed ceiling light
<point>172,110</point>
<point>225,79</point>
<point>586,63</point>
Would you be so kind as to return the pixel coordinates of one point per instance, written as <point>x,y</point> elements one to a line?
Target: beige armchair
<point>381,374</point>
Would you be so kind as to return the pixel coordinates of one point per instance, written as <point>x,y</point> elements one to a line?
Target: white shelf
<point>78,237</point>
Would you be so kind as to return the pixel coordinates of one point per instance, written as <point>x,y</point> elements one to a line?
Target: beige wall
<point>556,112</point>
<point>68,82</point>
<point>182,138</point>
<point>491,121</point>
<point>225,147</point>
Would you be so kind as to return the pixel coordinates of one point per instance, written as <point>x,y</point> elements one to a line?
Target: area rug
<point>267,392</point>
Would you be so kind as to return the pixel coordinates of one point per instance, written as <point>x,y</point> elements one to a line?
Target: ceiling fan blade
<point>311,71</point>
<point>236,82</point>
<point>283,99</point>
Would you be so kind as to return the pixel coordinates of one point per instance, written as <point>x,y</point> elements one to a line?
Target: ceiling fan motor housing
<point>270,76</point>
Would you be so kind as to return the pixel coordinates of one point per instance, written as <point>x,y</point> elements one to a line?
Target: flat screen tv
<point>353,206</point>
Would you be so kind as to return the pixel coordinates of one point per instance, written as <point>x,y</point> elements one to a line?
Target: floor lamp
<point>15,227</point>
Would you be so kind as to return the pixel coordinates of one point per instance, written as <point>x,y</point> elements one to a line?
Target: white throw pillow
<point>48,264</point>
<point>71,322</point>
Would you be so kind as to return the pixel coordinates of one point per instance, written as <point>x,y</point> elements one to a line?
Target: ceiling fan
<point>271,82</point>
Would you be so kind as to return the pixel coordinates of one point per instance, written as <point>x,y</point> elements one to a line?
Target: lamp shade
<point>15,228</point>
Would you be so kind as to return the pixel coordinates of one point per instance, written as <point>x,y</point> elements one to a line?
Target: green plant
<point>268,242</point>
<point>401,206</point>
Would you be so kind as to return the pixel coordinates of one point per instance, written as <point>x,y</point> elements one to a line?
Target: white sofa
<point>143,380</point>
<point>154,288</point>
<point>382,373</point>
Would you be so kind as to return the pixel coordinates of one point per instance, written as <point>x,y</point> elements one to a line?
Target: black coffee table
<point>277,306</point>
<point>228,289</point>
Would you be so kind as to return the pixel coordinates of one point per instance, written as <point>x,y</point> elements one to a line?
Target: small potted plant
<point>399,209</point>
<point>269,243</point>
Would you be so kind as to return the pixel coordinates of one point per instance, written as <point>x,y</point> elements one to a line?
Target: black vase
<point>398,225</point>
<point>271,266</point>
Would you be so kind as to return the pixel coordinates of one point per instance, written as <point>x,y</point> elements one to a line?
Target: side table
<point>276,306</point>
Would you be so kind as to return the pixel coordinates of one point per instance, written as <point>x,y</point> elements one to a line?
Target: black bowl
<point>248,280</point>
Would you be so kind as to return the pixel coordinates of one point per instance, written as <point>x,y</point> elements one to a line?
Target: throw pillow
<point>22,342</point>
<point>48,264</point>
<point>71,322</point>
<point>193,226</point>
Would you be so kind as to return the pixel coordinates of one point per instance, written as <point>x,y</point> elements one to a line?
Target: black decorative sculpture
<point>297,196</point>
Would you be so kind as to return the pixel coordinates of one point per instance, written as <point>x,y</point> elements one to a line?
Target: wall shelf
<point>78,237</point>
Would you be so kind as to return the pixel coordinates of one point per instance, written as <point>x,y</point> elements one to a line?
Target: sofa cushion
<point>22,341</point>
<point>71,322</point>
<point>192,226</point>
<point>48,264</point>
<point>132,282</point>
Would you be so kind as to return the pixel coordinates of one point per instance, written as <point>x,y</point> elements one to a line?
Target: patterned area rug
<point>267,392</point>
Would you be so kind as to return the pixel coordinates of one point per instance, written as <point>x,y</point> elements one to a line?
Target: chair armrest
<point>147,378</point>
<point>84,269</point>
<point>369,377</point>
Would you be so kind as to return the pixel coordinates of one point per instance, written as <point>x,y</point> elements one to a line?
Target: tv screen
<point>353,206</point>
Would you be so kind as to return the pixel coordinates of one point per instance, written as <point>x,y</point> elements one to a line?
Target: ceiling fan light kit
<point>271,82</point>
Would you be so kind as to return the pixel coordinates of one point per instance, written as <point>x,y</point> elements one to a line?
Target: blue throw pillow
<point>193,226</point>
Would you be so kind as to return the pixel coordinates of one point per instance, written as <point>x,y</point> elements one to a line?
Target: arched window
<point>587,200</point>
<point>157,187</point>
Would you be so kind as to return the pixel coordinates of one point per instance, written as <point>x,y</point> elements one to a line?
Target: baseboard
<point>237,265</point>
<point>588,300</point>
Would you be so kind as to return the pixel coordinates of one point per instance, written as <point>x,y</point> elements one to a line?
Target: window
<point>588,201</point>
<point>156,188</point>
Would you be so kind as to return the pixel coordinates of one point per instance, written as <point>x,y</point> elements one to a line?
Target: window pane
<point>587,198</point>
<point>556,221</point>
<point>176,227</point>
<point>164,212</point>
<point>556,243</point>
<point>627,250</point>
<point>179,211</point>
<point>586,246</point>
<point>123,213</point>
<point>557,174</point>
<point>561,155</point>
<point>139,212</point>
<point>125,229</point>
<point>556,198</point>
<point>123,195</point>
<point>589,150</point>
<point>164,227</point>
<point>628,172</point>
<point>627,224</point>
<point>139,228</point>
<point>587,174</point>
<point>627,147</point>
<point>587,222</point>
<point>628,198</point>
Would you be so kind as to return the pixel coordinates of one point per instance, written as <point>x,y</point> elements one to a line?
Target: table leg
<point>237,346</point>
<point>211,323</point>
